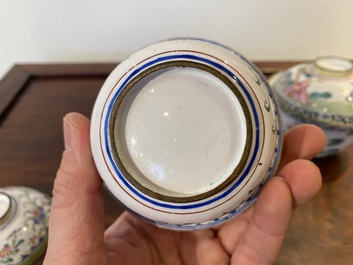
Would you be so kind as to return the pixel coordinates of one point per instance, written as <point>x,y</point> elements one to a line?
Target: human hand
<point>76,224</point>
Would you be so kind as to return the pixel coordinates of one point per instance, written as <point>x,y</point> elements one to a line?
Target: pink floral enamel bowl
<point>321,93</point>
<point>185,132</point>
<point>24,215</point>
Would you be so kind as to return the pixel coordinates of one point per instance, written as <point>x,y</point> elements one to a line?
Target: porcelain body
<point>321,93</point>
<point>24,214</point>
<point>185,132</point>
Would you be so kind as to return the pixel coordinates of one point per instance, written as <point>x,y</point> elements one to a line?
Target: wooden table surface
<point>34,99</point>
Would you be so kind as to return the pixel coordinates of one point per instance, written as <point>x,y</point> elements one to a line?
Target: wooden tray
<point>35,98</point>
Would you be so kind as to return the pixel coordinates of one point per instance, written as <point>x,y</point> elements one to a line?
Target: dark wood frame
<point>19,75</point>
<point>321,231</point>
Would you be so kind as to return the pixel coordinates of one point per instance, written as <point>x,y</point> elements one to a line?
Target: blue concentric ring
<point>219,67</point>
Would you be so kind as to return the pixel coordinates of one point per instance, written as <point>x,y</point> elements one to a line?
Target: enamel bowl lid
<point>319,92</point>
<point>24,215</point>
<point>185,132</point>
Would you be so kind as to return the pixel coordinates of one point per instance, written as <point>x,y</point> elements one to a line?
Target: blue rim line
<point>214,64</point>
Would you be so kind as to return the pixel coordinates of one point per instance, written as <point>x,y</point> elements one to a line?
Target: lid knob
<point>333,66</point>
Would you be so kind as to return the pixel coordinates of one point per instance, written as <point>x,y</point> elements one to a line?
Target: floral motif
<point>27,240</point>
<point>7,252</point>
<point>38,214</point>
<point>298,91</point>
<point>310,95</point>
<point>317,92</point>
<point>296,88</point>
<point>11,248</point>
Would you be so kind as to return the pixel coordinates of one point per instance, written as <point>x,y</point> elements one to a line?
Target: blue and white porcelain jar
<point>185,132</point>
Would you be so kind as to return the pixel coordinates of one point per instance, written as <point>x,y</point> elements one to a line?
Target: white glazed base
<point>185,132</point>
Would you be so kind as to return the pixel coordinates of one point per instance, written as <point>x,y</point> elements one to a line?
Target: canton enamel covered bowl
<point>24,215</point>
<point>321,93</point>
<point>185,132</point>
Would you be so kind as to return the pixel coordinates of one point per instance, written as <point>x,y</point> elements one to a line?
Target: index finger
<point>304,141</point>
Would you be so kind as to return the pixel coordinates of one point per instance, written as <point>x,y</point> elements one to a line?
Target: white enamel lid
<point>320,91</point>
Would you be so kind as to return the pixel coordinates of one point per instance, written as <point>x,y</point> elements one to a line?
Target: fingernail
<point>279,177</point>
<point>69,134</point>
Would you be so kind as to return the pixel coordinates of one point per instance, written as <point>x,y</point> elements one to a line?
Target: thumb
<point>76,224</point>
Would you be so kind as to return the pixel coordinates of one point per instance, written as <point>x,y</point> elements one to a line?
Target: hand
<point>76,225</point>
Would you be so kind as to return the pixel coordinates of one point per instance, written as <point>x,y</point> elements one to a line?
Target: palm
<point>76,228</point>
<point>253,237</point>
<point>131,241</point>
<point>140,243</point>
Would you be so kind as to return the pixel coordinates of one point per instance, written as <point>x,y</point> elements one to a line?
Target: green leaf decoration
<point>19,242</point>
<point>334,141</point>
<point>317,95</point>
<point>326,95</point>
